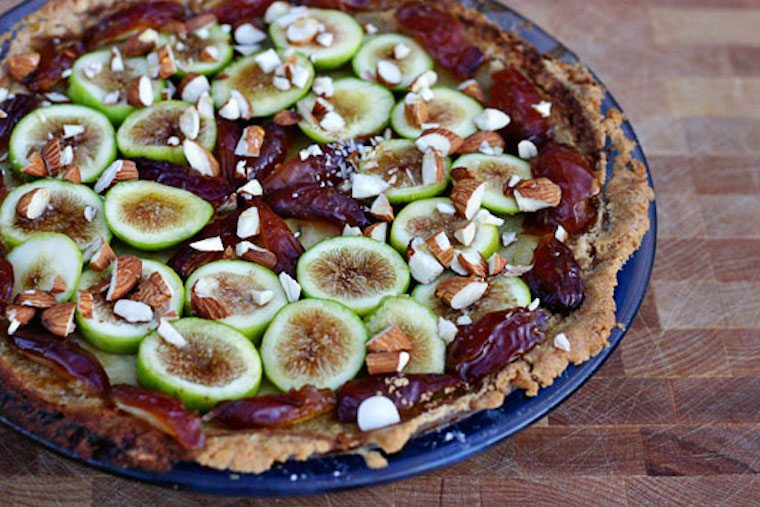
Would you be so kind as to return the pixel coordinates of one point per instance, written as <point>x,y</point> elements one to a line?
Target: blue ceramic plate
<point>451,443</point>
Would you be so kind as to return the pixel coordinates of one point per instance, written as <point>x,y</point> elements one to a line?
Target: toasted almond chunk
<point>205,106</point>
<point>59,285</point>
<point>491,119</point>
<point>209,54</point>
<point>244,105</point>
<point>416,112</point>
<point>207,307</point>
<point>35,166</point>
<point>377,231</point>
<point>212,244</point>
<point>367,185</point>
<point>85,303</point>
<point>140,92</point>
<point>351,230</point>
<point>170,334</point>
<point>496,264</point>
<point>200,158</point>
<point>474,263</point>
<point>247,34</point>
<point>190,123</point>
<point>461,173</point>
<point>72,174</point>
<point>460,292</point>
<point>561,342</point>
<point>229,253</point>
<point>248,224</point>
<point>423,266</point>
<point>381,209</point>
<point>133,311</point>
<point>192,86</point>
<point>230,110</point>
<point>166,64</point>
<point>386,362</point>
<point>321,108</point>
<point>467,196</point>
<point>35,298</point>
<point>401,51</point>
<point>303,31</point>
<point>474,143</point>
<point>466,235</point>
<point>442,140</point>
<point>447,330</point>
<point>59,319</point>
<point>21,314</point>
<point>52,155</point>
<point>441,248</point>
<point>22,66</point>
<point>126,274</point>
<point>432,167</point>
<point>286,118</point>
<point>390,339</point>
<point>253,188</point>
<point>140,44</point>
<point>536,194</point>
<point>117,61</point>
<point>153,291</point>
<point>250,141</point>
<point>268,61</point>
<point>34,203</point>
<point>543,108</point>
<point>252,253</point>
<point>376,412</point>
<point>291,287</point>
<point>388,73</point>
<point>426,80</point>
<point>332,122</point>
<point>472,89</point>
<point>526,149</point>
<point>323,86</point>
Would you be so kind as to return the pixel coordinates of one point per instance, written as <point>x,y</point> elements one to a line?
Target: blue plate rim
<point>442,447</point>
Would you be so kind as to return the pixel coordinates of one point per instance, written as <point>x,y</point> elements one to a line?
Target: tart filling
<point>267,258</point>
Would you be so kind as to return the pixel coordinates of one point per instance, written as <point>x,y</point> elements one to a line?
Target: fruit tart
<point>242,232</point>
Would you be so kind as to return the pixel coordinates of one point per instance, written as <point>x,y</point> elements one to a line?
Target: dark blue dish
<point>446,445</point>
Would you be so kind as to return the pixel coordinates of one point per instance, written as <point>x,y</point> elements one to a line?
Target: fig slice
<point>66,357</point>
<point>274,410</point>
<point>161,411</point>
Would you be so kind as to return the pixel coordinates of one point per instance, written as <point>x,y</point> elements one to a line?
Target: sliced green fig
<point>353,270</point>
<point>313,342</point>
<point>311,232</point>
<point>94,83</point>
<point>450,109</point>
<point>503,293</point>
<point>154,132</point>
<point>427,217</point>
<point>403,52</point>
<point>411,174</point>
<point>359,108</point>
<point>246,296</point>
<point>47,261</point>
<point>328,37</point>
<point>495,171</point>
<point>520,247</point>
<point>419,324</point>
<point>262,84</point>
<point>120,368</point>
<point>206,50</point>
<point>201,362</point>
<point>74,210</point>
<point>151,216</point>
<point>114,329</point>
<point>86,139</point>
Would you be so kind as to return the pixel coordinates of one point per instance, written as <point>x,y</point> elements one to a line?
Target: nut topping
<point>377,231</point>
<point>59,319</point>
<point>103,257</point>
<point>460,292</point>
<point>388,73</point>
<point>286,118</point>
<point>127,271</point>
<point>207,307</point>
<point>248,224</point>
<point>200,158</point>
<point>133,311</point>
<point>472,89</point>
<point>72,174</point>
<point>474,143</point>
<point>35,166</point>
<point>52,155</point>
<point>85,303</point>
<point>19,316</point>
<point>441,248</point>
<point>22,66</point>
<point>250,142</point>
<point>252,253</point>
<point>473,263</point>
<point>192,87</point>
<point>432,167</point>
<point>153,291</point>
<point>166,65</point>
<point>496,264</point>
<point>387,362</point>
<point>33,204</point>
<point>442,140</point>
<point>381,209</point>
<point>35,298</point>
<point>416,110</point>
<point>536,194</point>
<point>390,339</point>
<point>467,196</point>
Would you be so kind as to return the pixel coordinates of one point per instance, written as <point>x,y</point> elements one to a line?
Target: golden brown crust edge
<point>623,221</point>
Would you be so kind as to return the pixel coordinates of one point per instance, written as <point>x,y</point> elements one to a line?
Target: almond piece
<point>200,158</point>
<point>190,123</point>
<point>85,303</point>
<point>441,248</point>
<point>473,263</point>
<point>426,80</point>
<point>286,118</point>
<point>103,257</point>
<point>34,203</point>
<point>166,65</point>
<point>22,315</point>
<point>22,66</point>
<point>432,167</point>
<point>200,21</point>
<point>377,231</point>
<point>72,174</point>
<point>473,143</point>
<point>192,86</point>
<point>140,92</point>
<point>52,155</point>
<point>536,194</point>
<point>467,196</point>
<point>207,307</point>
<point>390,339</point>
<point>461,173</point>
<point>303,31</point>
<point>133,311</point>
<point>212,244</point>
<point>466,235</point>
<point>209,54</point>
<point>496,264</point>
<point>140,44</point>
<point>250,141</point>
<point>416,111</point>
<point>367,185</point>
<point>321,108</point>
<point>126,171</point>
<point>472,89</point>
<point>59,285</point>
<point>388,73</point>
<point>491,119</point>
<point>35,298</point>
<point>381,209</point>
<point>252,253</point>
<point>127,271</point>
<point>386,362</point>
<point>59,319</point>
<point>35,166</point>
<point>153,291</point>
<point>460,292</point>
<point>249,223</point>
<point>442,140</point>
<point>377,411</point>
<point>423,266</point>
<point>291,287</point>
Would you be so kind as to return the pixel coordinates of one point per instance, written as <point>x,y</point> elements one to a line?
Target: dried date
<point>493,342</point>
<point>213,189</point>
<point>315,202</point>
<point>6,283</point>
<point>136,16</point>
<point>187,259</point>
<point>238,11</point>
<point>512,93</point>
<point>412,394</point>
<point>556,277</point>
<point>273,411</point>
<point>56,58</point>
<point>277,237</point>
<point>274,150</point>
<point>332,168</point>
<point>161,411</point>
<point>15,108</point>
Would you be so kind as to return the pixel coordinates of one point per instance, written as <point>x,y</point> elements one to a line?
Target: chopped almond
<point>35,298</point>
<point>442,140</point>
<point>386,362</point>
<point>23,315</point>
<point>52,155</point>
<point>22,66</point>
<point>73,174</point>
<point>286,118</point>
<point>416,112</point>
<point>461,173</point>
<point>252,253</point>
<point>472,89</point>
<point>390,339</point>
<point>208,307</point>
<point>34,203</point>
<point>59,285</point>
<point>140,92</point>
<point>432,167</point>
<point>377,231</point>
<point>441,248</point>
<point>536,194</point>
<point>192,86</point>
<point>474,143</point>
<point>200,158</point>
<point>250,141</point>
<point>381,209</point>
<point>496,264</point>
<point>467,196</point>
<point>474,263</point>
<point>103,257</point>
<point>59,319</point>
<point>153,291</point>
<point>35,166</point>
<point>85,303</point>
<point>127,271</point>
<point>460,292</point>
<point>166,65</point>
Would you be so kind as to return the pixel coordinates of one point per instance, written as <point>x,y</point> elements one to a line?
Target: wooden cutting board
<point>674,415</point>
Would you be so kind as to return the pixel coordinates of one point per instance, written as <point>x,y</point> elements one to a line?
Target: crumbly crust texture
<point>59,411</point>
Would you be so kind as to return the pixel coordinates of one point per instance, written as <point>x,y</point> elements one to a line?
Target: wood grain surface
<point>673,418</point>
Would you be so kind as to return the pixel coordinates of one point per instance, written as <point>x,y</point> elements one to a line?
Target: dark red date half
<point>275,410</point>
<point>161,411</point>
<point>214,190</point>
<point>443,36</point>
<point>493,342</point>
<point>277,237</point>
<point>410,393</point>
<point>6,282</point>
<point>512,93</point>
<point>274,150</point>
<point>15,109</point>
<point>556,277</point>
<point>55,58</point>
<point>315,202</point>
<point>136,16</point>
<point>238,11</point>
